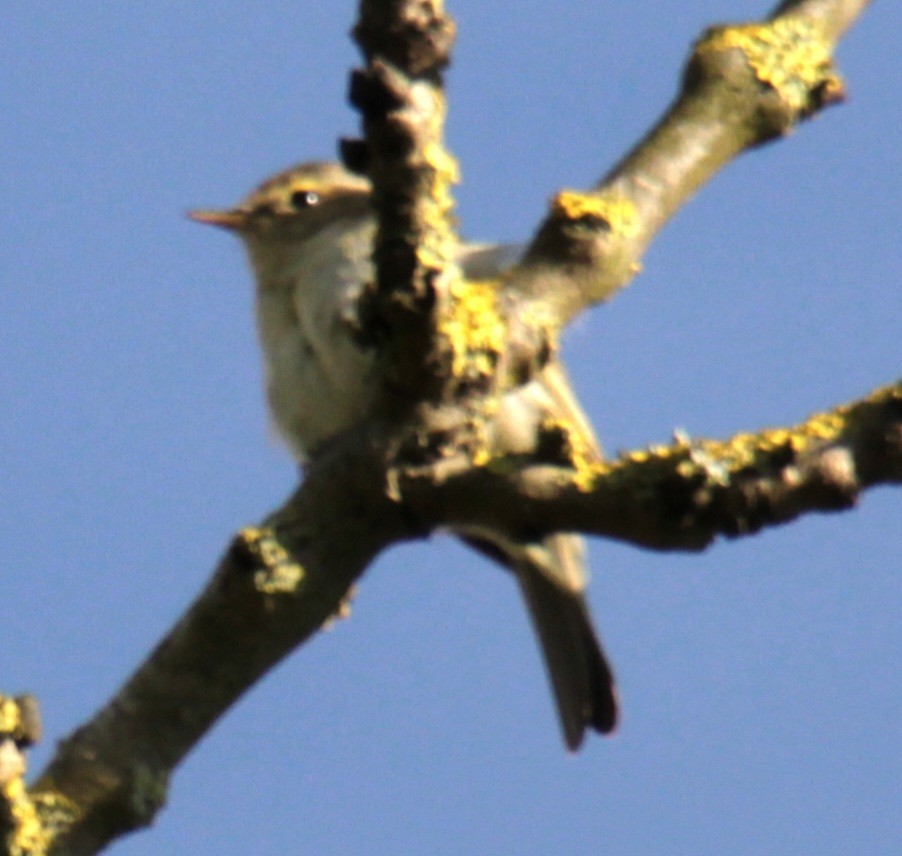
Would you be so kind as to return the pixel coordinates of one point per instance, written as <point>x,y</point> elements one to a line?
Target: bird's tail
<point>579,672</point>
<point>551,575</point>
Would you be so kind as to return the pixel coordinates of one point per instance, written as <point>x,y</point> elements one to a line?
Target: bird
<point>309,233</point>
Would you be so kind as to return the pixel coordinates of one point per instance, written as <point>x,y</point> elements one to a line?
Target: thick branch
<point>679,497</point>
<point>276,586</point>
<point>406,44</point>
<point>744,85</point>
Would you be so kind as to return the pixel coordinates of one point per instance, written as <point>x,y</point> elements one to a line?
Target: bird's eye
<point>304,199</point>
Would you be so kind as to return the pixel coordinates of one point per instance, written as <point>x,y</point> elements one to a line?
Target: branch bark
<point>681,496</point>
<point>275,587</point>
<point>406,44</point>
<point>744,85</point>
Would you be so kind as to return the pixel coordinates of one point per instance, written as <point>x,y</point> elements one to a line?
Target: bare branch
<point>406,44</point>
<point>678,497</point>
<point>277,585</point>
<point>744,85</point>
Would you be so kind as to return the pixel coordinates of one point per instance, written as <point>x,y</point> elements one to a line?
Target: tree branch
<point>276,586</point>
<point>406,44</point>
<point>682,496</point>
<point>744,85</point>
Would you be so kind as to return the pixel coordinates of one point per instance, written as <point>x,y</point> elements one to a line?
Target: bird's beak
<point>231,220</point>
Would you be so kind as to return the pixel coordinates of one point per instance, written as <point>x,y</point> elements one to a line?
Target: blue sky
<point>760,679</point>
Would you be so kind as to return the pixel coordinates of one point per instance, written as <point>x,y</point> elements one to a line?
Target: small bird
<point>309,234</point>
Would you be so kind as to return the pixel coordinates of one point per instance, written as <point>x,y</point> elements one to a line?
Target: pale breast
<point>319,380</point>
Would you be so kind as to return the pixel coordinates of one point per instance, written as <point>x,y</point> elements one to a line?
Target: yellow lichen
<point>571,446</point>
<point>278,573</point>
<point>741,450</point>
<point>482,455</point>
<point>446,171</point>
<point>36,821</point>
<point>27,835</point>
<point>19,719</point>
<point>10,718</point>
<point>440,242</point>
<point>789,54</point>
<point>57,814</point>
<point>474,329</point>
<point>710,462</point>
<point>616,210</point>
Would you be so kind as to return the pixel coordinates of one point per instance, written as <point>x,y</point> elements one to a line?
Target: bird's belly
<point>317,384</point>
